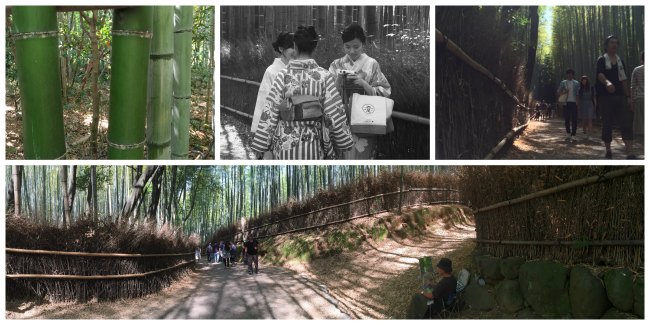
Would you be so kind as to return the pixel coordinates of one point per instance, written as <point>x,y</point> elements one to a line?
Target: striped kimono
<point>297,140</point>
<point>365,145</point>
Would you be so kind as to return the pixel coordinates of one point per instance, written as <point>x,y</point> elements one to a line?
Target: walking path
<point>214,292</point>
<point>234,138</point>
<point>546,140</point>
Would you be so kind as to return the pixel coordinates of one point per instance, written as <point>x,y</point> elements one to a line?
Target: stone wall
<point>549,289</point>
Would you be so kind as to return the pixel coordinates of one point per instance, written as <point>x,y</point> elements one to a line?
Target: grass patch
<point>298,249</point>
<point>379,232</point>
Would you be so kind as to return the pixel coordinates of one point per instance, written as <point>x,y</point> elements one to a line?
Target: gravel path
<point>546,140</point>
<point>214,292</point>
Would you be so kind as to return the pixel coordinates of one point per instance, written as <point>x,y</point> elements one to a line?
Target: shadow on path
<point>546,140</point>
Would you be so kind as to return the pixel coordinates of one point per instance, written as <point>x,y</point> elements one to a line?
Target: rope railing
<point>396,115</point>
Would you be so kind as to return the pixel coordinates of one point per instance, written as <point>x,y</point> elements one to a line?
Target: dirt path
<point>212,293</point>
<point>234,137</point>
<point>546,140</point>
<point>377,281</point>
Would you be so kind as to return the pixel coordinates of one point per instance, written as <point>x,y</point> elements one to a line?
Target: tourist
<point>197,253</point>
<point>209,251</point>
<point>614,98</point>
<point>233,253</point>
<point>284,46</point>
<point>569,88</point>
<point>303,117</point>
<point>252,248</point>
<point>637,84</point>
<point>226,254</point>
<point>366,78</point>
<point>587,104</point>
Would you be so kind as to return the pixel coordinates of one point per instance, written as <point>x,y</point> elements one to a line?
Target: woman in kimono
<point>284,46</point>
<point>367,77</point>
<point>303,115</point>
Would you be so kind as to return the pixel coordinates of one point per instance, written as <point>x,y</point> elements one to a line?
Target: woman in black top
<point>614,96</point>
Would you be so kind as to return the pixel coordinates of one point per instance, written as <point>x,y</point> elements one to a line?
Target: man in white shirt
<point>570,88</point>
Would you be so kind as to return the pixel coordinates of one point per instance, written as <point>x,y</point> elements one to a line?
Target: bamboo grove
<point>196,199</point>
<point>579,33</point>
<point>151,54</point>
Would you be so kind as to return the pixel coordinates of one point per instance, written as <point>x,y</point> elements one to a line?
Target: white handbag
<point>369,114</point>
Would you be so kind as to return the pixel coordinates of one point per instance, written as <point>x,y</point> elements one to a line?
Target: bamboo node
<point>135,33</point>
<point>28,35</point>
<point>126,146</point>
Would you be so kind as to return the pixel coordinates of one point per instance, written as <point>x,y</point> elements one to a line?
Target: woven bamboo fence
<point>359,208</point>
<point>77,276</point>
<point>596,220</point>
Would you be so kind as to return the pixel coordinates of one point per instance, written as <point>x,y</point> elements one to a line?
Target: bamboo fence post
<point>159,110</point>
<point>37,60</point>
<point>130,64</point>
<point>182,85</point>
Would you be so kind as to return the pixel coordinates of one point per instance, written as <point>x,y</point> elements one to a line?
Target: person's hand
<point>610,87</point>
<point>362,83</point>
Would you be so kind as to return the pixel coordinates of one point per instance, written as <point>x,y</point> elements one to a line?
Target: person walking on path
<point>587,104</point>
<point>209,251</point>
<point>569,88</point>
<point>225,253</point>
<point>638,97</point>
<point>614,99</point>
<point>252,247</point>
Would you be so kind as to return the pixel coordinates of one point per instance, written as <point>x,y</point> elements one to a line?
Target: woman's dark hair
<point>609,38</point>
<point>285,41</point>
<point>583,87</point>
<point>305,39</point>
<point>353,31</point>
<point>570,71</point>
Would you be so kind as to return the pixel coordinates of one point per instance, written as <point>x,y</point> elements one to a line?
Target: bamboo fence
<point>596,220</point>
<point>80,276</point>
<point>355,209</point>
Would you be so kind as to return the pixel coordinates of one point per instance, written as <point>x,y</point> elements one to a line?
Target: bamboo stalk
<point>37,62</point>
<point>159,110</point>
<point>46,252</point>
<point>130,63</point>
<point>180,140</point>
<point>505,140</point>
<point>630,170</point>
<point>94,277</point>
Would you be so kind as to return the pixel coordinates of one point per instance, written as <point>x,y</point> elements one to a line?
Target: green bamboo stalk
<point>37,62</point>
<point>182,85</point>
<point>159,112</point>
<point>129,64</point>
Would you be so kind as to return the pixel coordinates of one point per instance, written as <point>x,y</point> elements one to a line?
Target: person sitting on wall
<point>430,299</point>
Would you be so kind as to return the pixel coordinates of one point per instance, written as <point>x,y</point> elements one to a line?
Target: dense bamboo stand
<point>37,58</point>
<point>130,63</point>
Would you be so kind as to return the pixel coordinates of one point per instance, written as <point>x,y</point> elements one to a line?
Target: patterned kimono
<point>365,145</point>
<point>303,139</point>
<point>265,86</point>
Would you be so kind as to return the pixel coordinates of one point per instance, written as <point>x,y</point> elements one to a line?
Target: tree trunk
<point>137,189</point>
<point>130,64</point>
<point>37,63</point>
<point>155,194</point>
<point>182,84</point>
<point>159,113</point>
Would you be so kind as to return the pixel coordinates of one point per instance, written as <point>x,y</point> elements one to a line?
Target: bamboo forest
<point>122,82</point>
<point>503,81</point>
<point>324,242</point>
